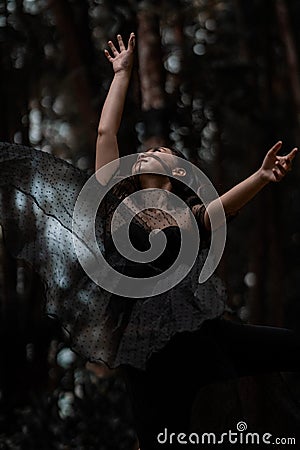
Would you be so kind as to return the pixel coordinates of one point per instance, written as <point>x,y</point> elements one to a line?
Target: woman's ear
<point>179,171</point>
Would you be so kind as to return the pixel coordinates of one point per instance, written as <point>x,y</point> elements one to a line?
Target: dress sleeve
<point>198,210</point>
<point>205,234</point>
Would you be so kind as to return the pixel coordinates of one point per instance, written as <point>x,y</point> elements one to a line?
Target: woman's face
<point>154,160</point>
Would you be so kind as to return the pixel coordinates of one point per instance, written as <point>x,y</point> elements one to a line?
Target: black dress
<point>38,195</point>
<point>167,345</point>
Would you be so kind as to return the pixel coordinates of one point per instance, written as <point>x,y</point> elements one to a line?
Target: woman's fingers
<point>131,41</point>
<point>275,148</point>
<point>287,160</point>
<point>279,165</point>
<point>279,171</point>
<point>276,174</point>
<point>121,43</point>
<point>108,55</point>
<point>292,154</point>
<point>113,48</point>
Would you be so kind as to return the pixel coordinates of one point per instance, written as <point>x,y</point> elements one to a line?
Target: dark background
<point>218,80</point>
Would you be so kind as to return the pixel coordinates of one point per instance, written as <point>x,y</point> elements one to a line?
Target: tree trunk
<point>291,58</point>
<point>151,78</point>
<point>71,42</point>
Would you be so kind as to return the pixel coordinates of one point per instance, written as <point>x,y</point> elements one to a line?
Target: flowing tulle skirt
<point>38,193</point>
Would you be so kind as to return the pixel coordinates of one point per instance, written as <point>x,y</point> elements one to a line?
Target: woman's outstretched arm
<point>273,168</point>
<point>107,146</point>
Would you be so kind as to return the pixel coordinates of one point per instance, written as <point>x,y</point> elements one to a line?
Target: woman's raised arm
<point>273,168</point>
<point>107,146</point>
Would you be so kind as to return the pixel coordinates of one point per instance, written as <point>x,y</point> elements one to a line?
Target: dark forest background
<point>216,79</point>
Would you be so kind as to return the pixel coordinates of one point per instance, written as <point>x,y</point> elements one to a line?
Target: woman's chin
<point>137,169</point>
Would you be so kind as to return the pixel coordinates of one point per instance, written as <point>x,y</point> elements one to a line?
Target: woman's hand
<point>122,60</point>
<point>274,167</point>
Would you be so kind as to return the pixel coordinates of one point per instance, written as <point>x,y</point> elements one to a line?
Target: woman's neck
<point>148,181</point>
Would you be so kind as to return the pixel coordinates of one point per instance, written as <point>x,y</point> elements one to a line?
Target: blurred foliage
<point>230,95</point>
<point>82,412</point>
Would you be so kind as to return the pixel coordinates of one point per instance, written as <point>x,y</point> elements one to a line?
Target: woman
<point>162,392</point>
<point>149,338</point>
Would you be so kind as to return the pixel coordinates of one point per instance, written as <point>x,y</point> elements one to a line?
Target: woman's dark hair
<point>179,188</point>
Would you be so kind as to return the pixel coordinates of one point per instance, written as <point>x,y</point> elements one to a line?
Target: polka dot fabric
<point>37,196</point>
